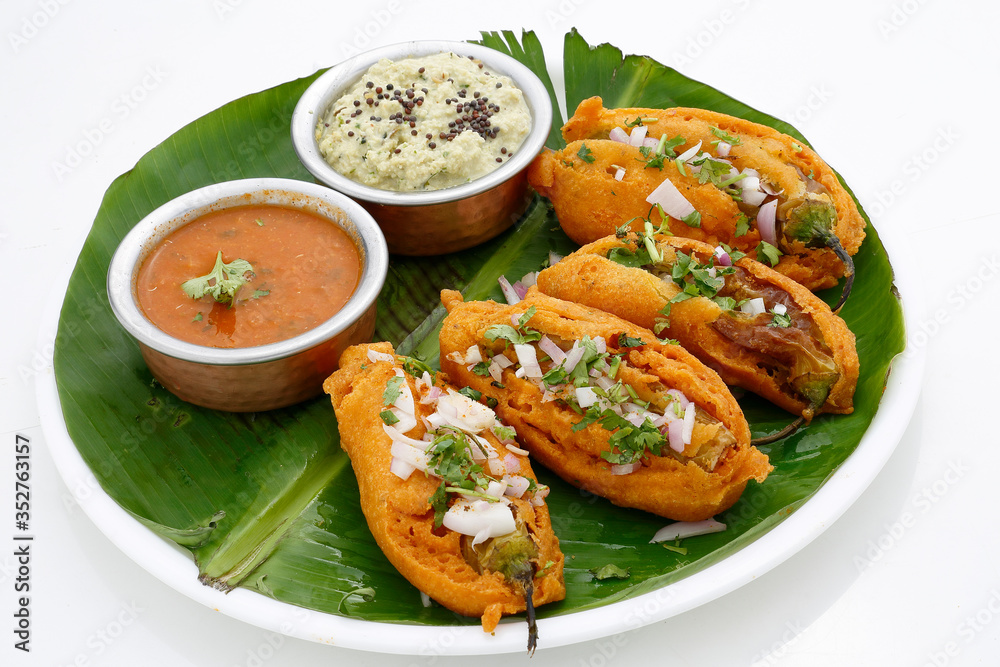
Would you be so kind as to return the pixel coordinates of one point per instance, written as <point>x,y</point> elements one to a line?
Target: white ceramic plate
<point>174,565</point>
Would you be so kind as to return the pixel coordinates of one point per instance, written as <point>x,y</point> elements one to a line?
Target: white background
<point>900,96</point>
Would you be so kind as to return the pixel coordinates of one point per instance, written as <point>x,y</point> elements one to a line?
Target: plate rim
<point>176,568</point>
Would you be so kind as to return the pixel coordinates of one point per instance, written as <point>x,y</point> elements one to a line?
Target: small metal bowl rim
<point>330,86</point>
<point>139,242</point>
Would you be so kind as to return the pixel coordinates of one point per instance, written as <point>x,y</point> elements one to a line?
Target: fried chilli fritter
<point>604,404</point>
<point>457,511</point>
<point>757,328</point>
<point>716,178</point>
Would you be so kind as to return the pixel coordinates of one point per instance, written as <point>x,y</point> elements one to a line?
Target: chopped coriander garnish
<point>515,335</point>
<point>724,136</point>
<point>392,390</point>
<point>260,223</point>
<point>780,317</point>
<point>416,367</point>
<point>768,253</point>
<point>624,340</point>
<point>471,393</point>
<point>197,318</point>
<point>482,368</point>
<point>630,258</point>
<point>388,417</point>
<point>676,548</point>
<point>725,302</point>
<point>542,570</point>
<point>585,154</point>
<point>693,219</point>
<point>258,293</point>
<point>742,225</point>
<point>639,120</point>
<point>796,147</point>
<point>609,571</point>
<point>222,282</point>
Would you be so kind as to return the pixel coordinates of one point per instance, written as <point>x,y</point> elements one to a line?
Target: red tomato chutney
<point>305,269</point>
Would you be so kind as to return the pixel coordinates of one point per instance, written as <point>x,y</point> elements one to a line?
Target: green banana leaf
<point>268,501</point>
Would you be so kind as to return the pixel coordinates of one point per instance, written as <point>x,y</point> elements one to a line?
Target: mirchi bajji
<point>604,404</point>
<point>455,510</point>
<point>739,182</point>
<point>757,328</point>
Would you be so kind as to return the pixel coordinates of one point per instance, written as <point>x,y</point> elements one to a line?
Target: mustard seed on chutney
<point>248,276</point>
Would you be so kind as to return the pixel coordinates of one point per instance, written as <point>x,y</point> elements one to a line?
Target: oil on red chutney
<point>305,269</point>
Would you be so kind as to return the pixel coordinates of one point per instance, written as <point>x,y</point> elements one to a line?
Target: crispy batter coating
<point>588,277</point>
<point>662,485</point>
<point>399,514</point>
<point>591,204</point>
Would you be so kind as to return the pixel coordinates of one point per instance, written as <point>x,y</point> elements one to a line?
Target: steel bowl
<point>439,221</point>
<point>264,377</point>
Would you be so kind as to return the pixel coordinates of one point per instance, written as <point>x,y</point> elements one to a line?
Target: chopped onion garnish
<point>752,197</point>
<point>604,382</point>
<point>723,148</point>
<point>766,222</point>
<point>529,360</point>
<point>508,291</point>
<point>546,345</point>
<point>554,258</point>
<point>574,356</point>
<point>396,436</point>
<point>625,468</point>
<point>502,361</point>
<point>496,488</point>
<point>516,450</point>
<point>585,396</point>
<point>539,498</point>
<point>769,189</point>
<point>619,135</point>
<point>495,370</point>
<point>473,355</point>
<point>425,599</point>
<point>675,435</point>
<point>619,174</point>
<point>749,182</point>
<point>497,467</point>
<point>479,518</point>
<point>753,306</point>
<point>689,153</point>
<point>651,142</point>
<point>678,396</point>
<point>401,468</point>
<point>432,395</point>
<point>481,536</point>
<point>411,455</point>
<point>529,279</point>
<point>600,344</point>
<point>779,309</point>
<point>464,413</point>
<point>511,463</point>
<point>723,256</point>
<point>516,485</point>
<point>635,418</point>
<point>637,135</point>
<point>689,413</point>
<point>374,355</point>
<point>682,529</point>
<point>670,198</point>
